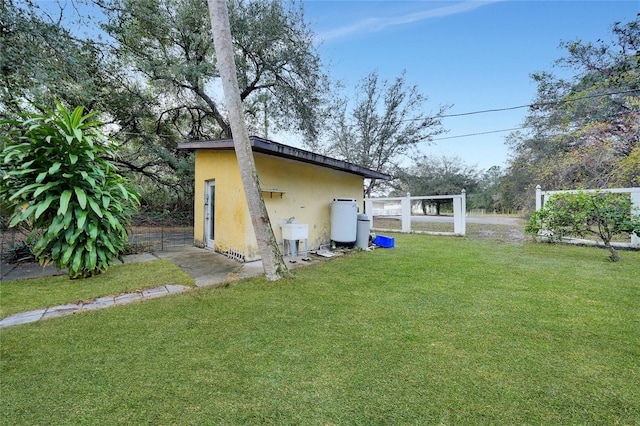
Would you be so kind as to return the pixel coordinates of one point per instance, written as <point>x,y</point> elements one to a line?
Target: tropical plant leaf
<point>75,119</point>
<point>66,255</point>
<point>16,219</point>
<point>54,168</point>
<point>21,172</point>
<point>68,217</point>
<point>93,231</point>
<point>43,206</point>
<point>93,258</point>
<point>95,207</point>
<point>44,188</point>
<point>64,202</point>
<point>78,134</point>
<point>82,219</point>
<point>88,178</point>
<point>57,225</point>
<point>75,268</point>
<point>107,243</point>
<point>23,190</point>
<point>81,196</point>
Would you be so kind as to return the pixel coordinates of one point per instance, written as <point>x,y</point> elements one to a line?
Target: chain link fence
<point>147,233</point>
<point>159,232</point>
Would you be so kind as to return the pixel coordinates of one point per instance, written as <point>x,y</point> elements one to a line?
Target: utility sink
<point>295,231</point>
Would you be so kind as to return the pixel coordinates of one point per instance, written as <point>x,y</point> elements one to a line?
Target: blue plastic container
<point>382,241</point>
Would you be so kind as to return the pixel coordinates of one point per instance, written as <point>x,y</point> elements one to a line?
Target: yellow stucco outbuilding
<point>297,185</point>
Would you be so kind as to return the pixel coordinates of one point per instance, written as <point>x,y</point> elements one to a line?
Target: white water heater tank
<point>344,220</point>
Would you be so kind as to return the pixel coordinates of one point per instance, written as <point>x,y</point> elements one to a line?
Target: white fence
<point>401,206</point>
<point>634,193</point>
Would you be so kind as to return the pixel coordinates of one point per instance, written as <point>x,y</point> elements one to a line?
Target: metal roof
<point>276,149</point>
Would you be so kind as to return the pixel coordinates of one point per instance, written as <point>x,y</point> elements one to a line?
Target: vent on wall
<point>232,253</point>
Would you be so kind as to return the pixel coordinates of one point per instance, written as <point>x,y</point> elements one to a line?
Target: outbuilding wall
<point>230,208</point>
<point>302,192</point>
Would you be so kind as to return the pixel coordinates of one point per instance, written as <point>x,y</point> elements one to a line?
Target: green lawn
<point>438,330</point>
<point>26,295</point>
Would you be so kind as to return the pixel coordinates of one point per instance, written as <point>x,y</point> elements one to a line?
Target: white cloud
<point>373,25</point>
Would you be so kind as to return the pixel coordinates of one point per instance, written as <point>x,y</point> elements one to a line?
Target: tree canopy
<point>584,129</point>
<point>149,66</point>
<point>384,121</point>
<point>168,43</point>
<point>41,60</point>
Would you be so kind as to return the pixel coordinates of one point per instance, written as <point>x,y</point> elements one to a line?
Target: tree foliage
<point>385,121</point>
<point>43,59</point>
<point>150,68</point>
<point>584,130</point>
<point>168,43</point>
<point>486,195</point>
<point>438,176</point>
<point>56,176</point>
<point>40,60</point>
<point>602,214</point>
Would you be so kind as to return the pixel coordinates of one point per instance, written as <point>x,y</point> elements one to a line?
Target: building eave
<point>268,147</point>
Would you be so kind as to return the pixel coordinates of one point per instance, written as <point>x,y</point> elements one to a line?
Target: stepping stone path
<point>99,303</point>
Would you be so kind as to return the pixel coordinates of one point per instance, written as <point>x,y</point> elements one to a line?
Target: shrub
<point>602,214</point>
<point>56,175</point>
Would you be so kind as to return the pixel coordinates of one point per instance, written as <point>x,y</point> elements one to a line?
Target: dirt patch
<point>507,229</point>
<point>506,233</point>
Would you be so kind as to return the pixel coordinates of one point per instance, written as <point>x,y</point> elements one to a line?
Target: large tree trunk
<point>274,266</point>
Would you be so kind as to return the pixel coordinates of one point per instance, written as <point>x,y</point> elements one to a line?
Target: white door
<point>209,212</point>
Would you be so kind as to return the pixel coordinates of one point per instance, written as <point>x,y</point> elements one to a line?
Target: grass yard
<point>438,330</point>
<point>26,295</point>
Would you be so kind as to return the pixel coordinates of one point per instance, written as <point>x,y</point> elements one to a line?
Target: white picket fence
<point>634,193</point>
<point>401,206</point>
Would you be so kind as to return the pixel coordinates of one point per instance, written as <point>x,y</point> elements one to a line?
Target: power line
<point>538,105</point>
<point>532,106</point>
<point>479,133</point>
<point>517,128</point>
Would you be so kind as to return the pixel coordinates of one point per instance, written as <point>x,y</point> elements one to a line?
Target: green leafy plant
<point>18,252</point>
<point>602,214</point>
<point>56,175</point>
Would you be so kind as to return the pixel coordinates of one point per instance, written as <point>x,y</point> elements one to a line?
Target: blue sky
<point>476,55</point>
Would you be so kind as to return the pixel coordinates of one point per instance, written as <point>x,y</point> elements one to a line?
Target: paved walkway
<point>99,303</point>
<point>206,267</point>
